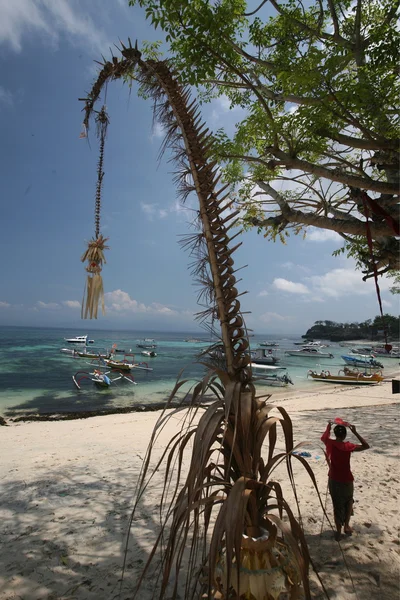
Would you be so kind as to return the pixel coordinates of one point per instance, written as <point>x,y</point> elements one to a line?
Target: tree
<point>220,516</point>
<point>319,141</point>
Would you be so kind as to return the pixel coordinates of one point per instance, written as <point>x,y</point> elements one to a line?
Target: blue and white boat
<point>362,360</point>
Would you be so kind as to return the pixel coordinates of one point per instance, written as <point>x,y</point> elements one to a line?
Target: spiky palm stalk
<point>228,490</point>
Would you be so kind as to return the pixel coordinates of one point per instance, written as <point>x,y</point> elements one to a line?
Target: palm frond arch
<point>226,471</point>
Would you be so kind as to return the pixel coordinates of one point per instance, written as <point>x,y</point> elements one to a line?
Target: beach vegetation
<point>371,329</point>
<point>313,89</point>
<point>226,529</point>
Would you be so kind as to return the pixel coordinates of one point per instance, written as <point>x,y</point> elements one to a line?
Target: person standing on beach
<point>340,477</point>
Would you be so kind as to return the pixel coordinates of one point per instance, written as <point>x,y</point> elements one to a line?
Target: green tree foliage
<point>318,142</point>
<point>369,329</point>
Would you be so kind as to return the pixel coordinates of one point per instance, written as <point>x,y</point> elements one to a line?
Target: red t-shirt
<point>339,456</point>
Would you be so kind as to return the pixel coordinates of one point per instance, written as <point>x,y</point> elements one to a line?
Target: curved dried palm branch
<point>227,492</point>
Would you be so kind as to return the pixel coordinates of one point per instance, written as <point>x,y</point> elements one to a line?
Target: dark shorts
<point>342,498</point>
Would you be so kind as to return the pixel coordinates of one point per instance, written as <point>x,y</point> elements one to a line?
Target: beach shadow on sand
<point>64,537</point>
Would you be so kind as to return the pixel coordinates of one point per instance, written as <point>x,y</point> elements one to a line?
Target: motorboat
<point>382,351</point>
<point>309,352</point>
<point>346,376</point>
<point>271,375</point>
<point>149,353</point>
<point>79,339</point>
<point>362,360</point>
<point>261,356</point>
<point>269,344</point>
<point>364,351</point>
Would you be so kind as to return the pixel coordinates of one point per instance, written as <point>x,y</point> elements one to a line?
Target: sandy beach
<point>67,490</point>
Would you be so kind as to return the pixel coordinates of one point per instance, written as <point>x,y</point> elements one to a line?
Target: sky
<point>47,187</point>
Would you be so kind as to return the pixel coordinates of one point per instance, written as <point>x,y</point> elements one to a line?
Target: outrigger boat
<point>101,380</point>
<point>127,364</point>
<point>271,375</point>
<point>347,376</point>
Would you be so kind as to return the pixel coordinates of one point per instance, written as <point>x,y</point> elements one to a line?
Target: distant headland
<point>372,329</point>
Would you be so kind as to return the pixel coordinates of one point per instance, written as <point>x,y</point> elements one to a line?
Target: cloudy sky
<point>47,184</point>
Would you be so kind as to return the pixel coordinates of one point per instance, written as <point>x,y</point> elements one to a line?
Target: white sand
<point>66,490</point>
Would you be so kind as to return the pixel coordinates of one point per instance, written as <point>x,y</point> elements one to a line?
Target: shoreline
<point>282,394</point>
<point>68,488</point>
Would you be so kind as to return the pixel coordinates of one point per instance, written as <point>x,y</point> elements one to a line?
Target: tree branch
<point>334,17</point>
<point>340,225</point>
<point>256,10</point>
<point>340,41</point>
<point>334,175</point>
<point>361,143</point>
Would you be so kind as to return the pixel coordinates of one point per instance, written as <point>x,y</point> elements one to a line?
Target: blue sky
<point>47,185</point>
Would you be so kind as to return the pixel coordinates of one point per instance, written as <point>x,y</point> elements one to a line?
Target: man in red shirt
<point>340,475</point>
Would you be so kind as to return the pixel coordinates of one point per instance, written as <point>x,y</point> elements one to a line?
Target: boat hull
<point>309,354</point>
<point>349,379</point>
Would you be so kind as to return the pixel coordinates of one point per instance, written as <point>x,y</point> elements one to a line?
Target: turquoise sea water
<point>36,377</point>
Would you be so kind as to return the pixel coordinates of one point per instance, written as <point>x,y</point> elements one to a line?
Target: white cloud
<point>292,266</point>
<point>345,282</point>
<point>158,131</point>
<point>6,97</point>
<point>120,302</point>
<point>50,19</point>
<point>153,211</point>
<point>271,317</point>
<point>322,235</point>
<point>386,303</point>
<point>72,303</point>
<point>290,286</point>
<point>4,305</point>
<point>263,293</point>
<point>47,305</point>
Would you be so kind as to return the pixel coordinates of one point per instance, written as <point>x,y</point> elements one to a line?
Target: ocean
<point>35,377</point>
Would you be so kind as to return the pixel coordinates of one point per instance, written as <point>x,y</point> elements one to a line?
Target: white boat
<point>381,351</point>
<point>309,352</point>
<point>150,353</point>
<point>260,356</point>
<point>79,339</point>
<point>269,344</point>
<point>271,375</point>
<point>362,360</point>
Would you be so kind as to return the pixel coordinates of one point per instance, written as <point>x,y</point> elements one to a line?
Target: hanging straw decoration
<point>94,291</point>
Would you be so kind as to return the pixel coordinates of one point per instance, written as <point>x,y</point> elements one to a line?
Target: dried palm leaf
<point>211,511</point>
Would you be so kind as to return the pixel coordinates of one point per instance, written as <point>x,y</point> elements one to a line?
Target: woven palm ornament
<point>94,255</point>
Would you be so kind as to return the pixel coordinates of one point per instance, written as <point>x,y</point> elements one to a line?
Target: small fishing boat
<point>362,360</point>
<point>269,344</point>
<point>127,364</point>
<point>100,353</point>
<point>150,353</point>
<point>347,376</point>
<point>271,375</point>
<point>309,352</point>
<point>100,379</point>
